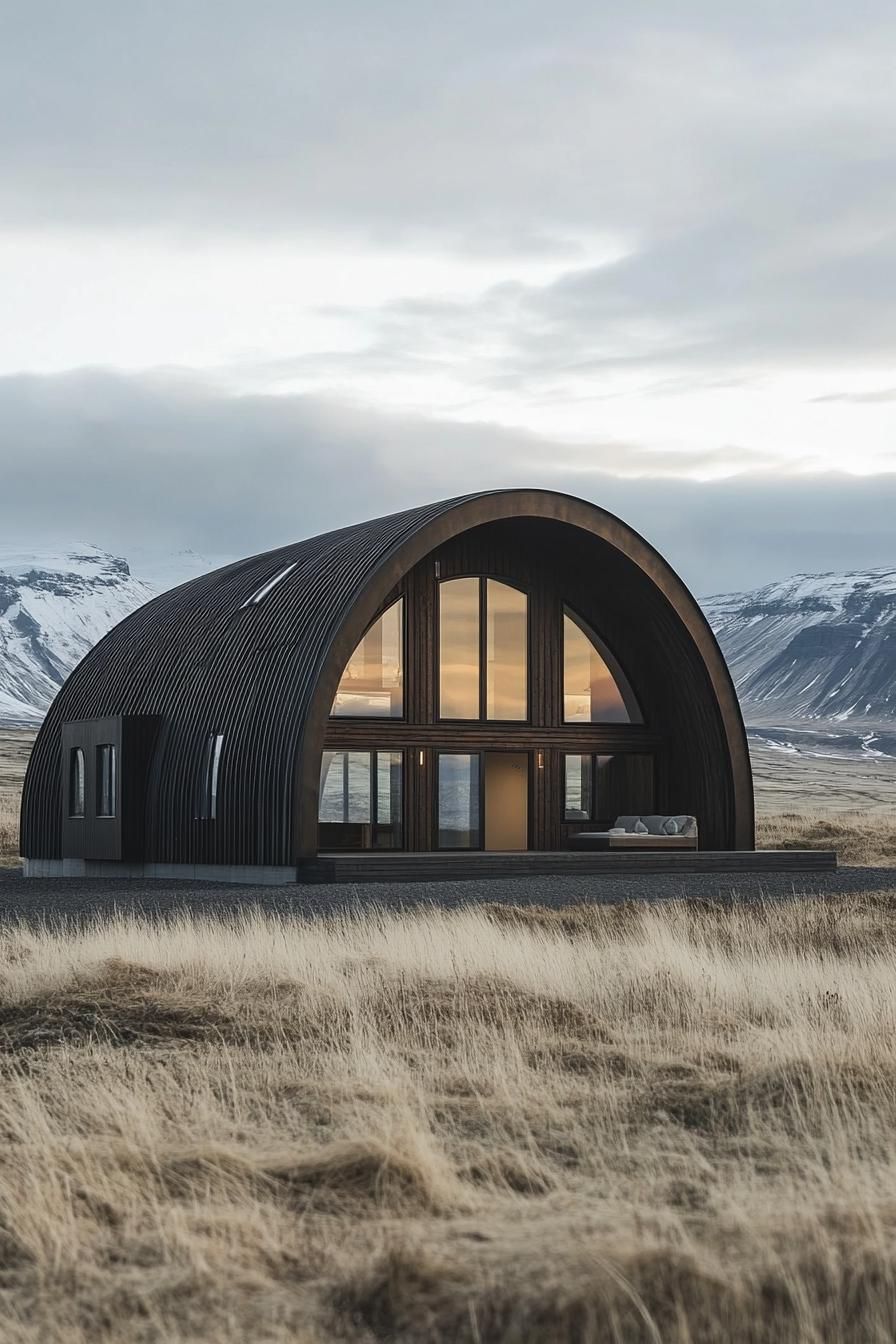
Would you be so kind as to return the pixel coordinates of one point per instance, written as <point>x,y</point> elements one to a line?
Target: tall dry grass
<point>671,1123</point>
<point>865,839</point>
<point>9,828</point>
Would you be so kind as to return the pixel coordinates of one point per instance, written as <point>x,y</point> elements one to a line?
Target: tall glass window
<point>76,782</point>
<point>506,652</point>
<point>459,826</point>
<point>459,649</point>
<point>360,801</point>
<point>372,685</point>
<point>388,798</point>
<point>483,626</point>
<point>591,693</point>
<point>105,780</point>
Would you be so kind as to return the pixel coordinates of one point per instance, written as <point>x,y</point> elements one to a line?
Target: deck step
<point>385,866</point>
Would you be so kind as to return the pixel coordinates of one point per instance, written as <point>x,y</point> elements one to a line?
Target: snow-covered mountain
<point>816,648</point>
<point>54,606</point>
<point>816,651</point>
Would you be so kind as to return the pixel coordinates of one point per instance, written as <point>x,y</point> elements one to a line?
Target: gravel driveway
<point>40,899</point>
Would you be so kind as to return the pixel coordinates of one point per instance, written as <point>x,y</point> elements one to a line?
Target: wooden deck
<point>392,866</point>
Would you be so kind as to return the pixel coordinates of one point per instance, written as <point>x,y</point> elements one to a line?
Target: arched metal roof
<point>207,658</point>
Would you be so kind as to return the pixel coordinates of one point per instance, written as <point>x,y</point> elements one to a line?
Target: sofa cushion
<point>686,825</point>
<point>625,823</point>
<point>639,828</point>
<point>670,826</point>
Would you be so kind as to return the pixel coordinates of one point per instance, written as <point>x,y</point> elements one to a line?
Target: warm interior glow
<point>590,691</point>
<point>373,680</point>
<point>459,649</point>
<point>506,652</point>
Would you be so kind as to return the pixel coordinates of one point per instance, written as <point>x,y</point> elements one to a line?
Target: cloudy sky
<point>268,267</point>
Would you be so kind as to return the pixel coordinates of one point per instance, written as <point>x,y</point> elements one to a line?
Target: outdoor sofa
<point>648,832</point>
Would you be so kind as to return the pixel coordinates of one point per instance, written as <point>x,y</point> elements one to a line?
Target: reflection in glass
<point>458,801</point>
<point>590,691</point>
<point>76,783</point>
<point>105,780</point>
<point>360,800</point>
<point>459,649</point>
<point>506,652</point>
<point>345,786</point>
<point>388,799</point>
<point>371,685</point>
<point>578,788</point>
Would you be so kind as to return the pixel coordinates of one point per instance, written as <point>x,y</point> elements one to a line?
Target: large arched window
<point>594,687</point>
<point>372,685</point>
<point>483,650</point>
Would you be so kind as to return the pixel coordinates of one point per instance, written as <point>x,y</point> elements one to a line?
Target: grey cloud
<point>497,126</point>
<point>716,304</point>
<point>163,461</point>
<point>744,152</point>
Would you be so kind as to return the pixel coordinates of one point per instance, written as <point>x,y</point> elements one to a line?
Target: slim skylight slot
<point>261,593</point>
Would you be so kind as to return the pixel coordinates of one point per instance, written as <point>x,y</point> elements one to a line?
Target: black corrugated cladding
<point>204,662</point>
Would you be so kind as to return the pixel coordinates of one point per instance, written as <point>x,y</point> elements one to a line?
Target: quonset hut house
<point>484,678</point>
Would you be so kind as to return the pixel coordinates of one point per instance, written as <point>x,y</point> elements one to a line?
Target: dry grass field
<point>15,745</point>
<point>859,839</point>
<point>9,829</point>
<point>494,1126</point>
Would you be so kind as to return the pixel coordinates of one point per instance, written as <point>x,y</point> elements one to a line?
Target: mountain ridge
<point>54,606</point>
<point>815,653</point>
<point>813,648</point>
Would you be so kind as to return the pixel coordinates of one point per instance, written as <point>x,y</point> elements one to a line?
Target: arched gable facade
<point>217,696</point>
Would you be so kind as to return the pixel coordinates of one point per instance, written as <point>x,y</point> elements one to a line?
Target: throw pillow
<point>670,826</point>
<point>640,828</point>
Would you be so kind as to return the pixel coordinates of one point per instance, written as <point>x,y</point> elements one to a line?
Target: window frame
<point>483,577</point>
<point>210,777</point>
<point>592,813</point>
<point>100,781</point>
<point>373,752</point>
<point>400,599</point>
<point>77,756</point>
<point>478,753</point>
<point>614,667</point>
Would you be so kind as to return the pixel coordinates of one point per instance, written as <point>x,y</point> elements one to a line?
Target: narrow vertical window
<point>372,685</point>
<point>459,824</point>
<point>207,809</point>
<point>76,782</point>
<point>106,782</point>
<point>389,809</point>
<point>459,649</point>
<point>579,788</point>
<point>506,652</point>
